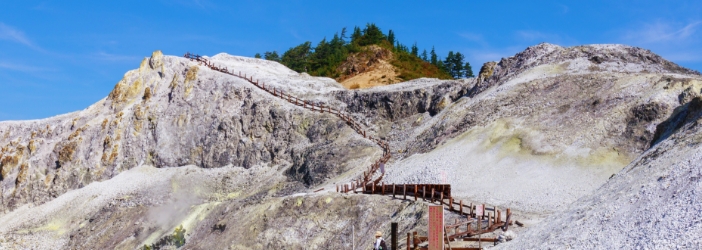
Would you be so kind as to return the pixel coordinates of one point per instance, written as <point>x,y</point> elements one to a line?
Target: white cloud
<point>21,68</point>
<point>473,37</point>
<point>663,32</point>
<point>11,34</point>
<point>687,56</point>
<point>114,58</point>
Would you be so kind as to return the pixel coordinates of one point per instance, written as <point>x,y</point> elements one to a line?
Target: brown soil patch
<point>383,73</point>
<point>368,68</point>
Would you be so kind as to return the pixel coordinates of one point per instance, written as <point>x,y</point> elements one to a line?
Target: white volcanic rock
<point>535,132</point>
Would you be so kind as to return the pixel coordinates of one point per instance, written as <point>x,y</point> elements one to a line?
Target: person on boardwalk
<point>379,243</point>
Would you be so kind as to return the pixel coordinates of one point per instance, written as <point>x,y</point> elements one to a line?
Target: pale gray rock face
<point>535,132</point>
<point>653,203</point>
<point>168,113</point>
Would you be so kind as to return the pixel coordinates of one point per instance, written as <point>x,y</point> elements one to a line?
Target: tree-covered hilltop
<point>327,57</point>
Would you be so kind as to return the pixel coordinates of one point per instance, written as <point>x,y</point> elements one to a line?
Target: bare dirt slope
<point>368,69</point>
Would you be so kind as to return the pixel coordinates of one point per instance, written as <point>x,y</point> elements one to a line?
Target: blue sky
<point>62,56</point>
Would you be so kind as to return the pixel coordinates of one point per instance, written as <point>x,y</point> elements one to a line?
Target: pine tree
<point>433,57</point>
<point>356,34</point>
<point>297,58</point>
<point>448,64</point>
<point>457,66</point>
<point>424,56</point>
<point>441,66</point>
<point>391,37</point>
<point>371,35</point>
<point>415,50</point>
<point>271,56</point>
<point>343,34</point>
<point>257,55</point>
<point>468,70</point>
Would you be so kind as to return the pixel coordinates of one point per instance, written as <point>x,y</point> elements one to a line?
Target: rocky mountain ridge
<point>534,132</point>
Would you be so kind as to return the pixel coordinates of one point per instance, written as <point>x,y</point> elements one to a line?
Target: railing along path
<point>367,175</point>
<point>434,193</point>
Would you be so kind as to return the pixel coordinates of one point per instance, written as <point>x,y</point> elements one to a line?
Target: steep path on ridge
<point>367,175</point>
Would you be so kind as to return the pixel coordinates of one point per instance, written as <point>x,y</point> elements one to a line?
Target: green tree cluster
<point>454,65</point>
<point>327,55</point>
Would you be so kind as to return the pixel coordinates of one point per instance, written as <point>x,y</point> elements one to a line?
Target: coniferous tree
<point>448,64</point>
<point>440,65</point>
<point>297,58</point>
<point>454,64</point>
<point>257,55</point>
<point>371,35</point>
<point>271,56</point>
<point>424,56</point>
<point>343,33</point>
<point>468,70</point>
<point>391,37</point>
<point>415,50</point>
<point>433,57</point>
<point>457,65</point>
<point>356,34</point>
<point>320,56</point>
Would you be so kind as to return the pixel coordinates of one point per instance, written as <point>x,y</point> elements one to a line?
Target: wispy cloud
<point>22,68</point>
<point>103,56</point>
<point>12,34</point>
<point>474,37</point>
<point>683,56</point>
<point>663,32</point>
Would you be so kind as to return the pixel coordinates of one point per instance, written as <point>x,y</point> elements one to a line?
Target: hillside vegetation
<point>369,58</point>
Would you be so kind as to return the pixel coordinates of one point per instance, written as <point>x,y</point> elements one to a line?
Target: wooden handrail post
<point>393,190</point>
<point>415,192</point>
<point>497,217</point>
<point>461,207</point>
<point>404,191</point>
<point>432,195</point>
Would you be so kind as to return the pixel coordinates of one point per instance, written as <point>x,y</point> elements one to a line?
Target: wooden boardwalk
<point>491,219</point>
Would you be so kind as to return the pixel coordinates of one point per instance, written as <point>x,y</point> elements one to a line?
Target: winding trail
<point>367,175</point>
<point>439,193</point>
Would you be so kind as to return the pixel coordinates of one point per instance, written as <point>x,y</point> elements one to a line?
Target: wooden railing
<point>440,193</point>
<point>368,174</point>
